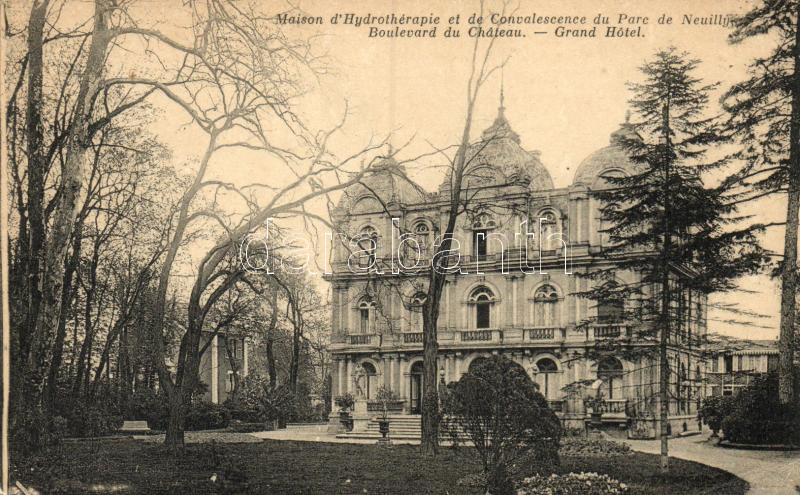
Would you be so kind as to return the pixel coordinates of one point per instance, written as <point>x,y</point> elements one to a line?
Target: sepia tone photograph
<point>506,247</point>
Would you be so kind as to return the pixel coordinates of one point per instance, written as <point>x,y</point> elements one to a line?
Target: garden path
<point>768,472</point>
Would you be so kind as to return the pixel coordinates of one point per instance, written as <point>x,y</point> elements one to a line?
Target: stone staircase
<point>401,427</point>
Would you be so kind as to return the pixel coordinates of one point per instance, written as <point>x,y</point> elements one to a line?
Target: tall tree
<point>677,234</point>
<point>765,115</point>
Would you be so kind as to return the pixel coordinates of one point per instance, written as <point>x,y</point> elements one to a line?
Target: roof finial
<point>502,95</point>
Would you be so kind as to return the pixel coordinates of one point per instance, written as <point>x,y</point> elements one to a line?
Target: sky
<point>563,95</point>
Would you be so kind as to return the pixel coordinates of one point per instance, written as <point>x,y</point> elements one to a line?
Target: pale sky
<point>563,96</point>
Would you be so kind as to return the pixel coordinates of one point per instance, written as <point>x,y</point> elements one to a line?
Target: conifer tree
<point>765,115</point>
<point>664,223</point>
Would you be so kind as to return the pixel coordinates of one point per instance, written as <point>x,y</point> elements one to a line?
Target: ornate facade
<point>534,318</point>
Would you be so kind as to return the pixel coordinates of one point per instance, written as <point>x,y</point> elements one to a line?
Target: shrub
<point>758,417</point>
<point>499,408</point>
<point>572,483</point>
<point>345,402</point>
<point>92,421</point>
<point>34,430</point>
<point>714,409</point>
<point>207,416</point>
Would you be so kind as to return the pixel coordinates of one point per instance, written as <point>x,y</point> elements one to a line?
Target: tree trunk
<point>66,211</point>
<point>32,258</point>
<point>234,365</point>
<point>67,297</point>
<point>789,266</point>
<point>270,345</point>
<point>177,419</point>
<point>294,367</point>
<point>430,398</point>
<point>663,358</point>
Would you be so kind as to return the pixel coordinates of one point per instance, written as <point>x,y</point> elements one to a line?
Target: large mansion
<point>532,316</point>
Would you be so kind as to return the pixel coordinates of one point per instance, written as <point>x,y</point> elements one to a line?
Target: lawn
<point>269,467</point>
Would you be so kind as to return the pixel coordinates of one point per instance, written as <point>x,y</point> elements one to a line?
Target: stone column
<point>451,367</point>
<point>392,373</point>
<point>336,322</point>
<point>245,358</point>
<point>387,376</point>
<point>511,288</point>
<point>349,377</point>
<point>342,372</point>
<point>215,369</point>
<point>401,363</point>
<point>455,305</point>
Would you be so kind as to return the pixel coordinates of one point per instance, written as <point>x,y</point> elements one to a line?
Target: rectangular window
<point>740,363</point>
<point>479,244</point>
<point>364,320</point>
<point>715,364</point>
<point>728,364</point>
<point>482,320</point>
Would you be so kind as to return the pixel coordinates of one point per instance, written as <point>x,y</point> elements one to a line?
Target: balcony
<point>412,338</point>
<point>477,335</point>
<point>611,331</point>
<point>613,406</point>
<point>544,334</point>
<point>363,339</point>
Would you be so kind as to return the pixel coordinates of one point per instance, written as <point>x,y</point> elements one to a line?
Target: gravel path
<point>768,472</point>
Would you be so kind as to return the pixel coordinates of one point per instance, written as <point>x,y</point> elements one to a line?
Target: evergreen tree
<point>765,115</point>
<point>678,235</point>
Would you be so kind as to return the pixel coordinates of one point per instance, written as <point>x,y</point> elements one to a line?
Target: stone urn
<point>346,420</point>
<point>383,427</point>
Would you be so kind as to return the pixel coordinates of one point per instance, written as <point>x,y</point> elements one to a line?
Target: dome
<point>612,157</point>
<point>386,186</point>
<point>499,159</point>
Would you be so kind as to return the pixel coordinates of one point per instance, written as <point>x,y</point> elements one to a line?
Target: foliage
<point>572,483</point>
<point>92,420</point>
<point>385,396</point>
<point>714,409</point>
<point>764,113</point>
<point>345,402</point>
<point>583,446</point>
<point>35,430</point>
<point>499,408</point>
<point>757,416</point>
<point>664,207</point>
<point>207,416</point>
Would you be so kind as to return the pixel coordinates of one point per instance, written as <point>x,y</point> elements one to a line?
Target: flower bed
<point>587,447</point>
<point>572,483</point>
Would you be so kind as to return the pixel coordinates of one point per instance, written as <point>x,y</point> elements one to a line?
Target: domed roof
<point>386,186</point>
<point>611,157</point>
<point>498,158</point>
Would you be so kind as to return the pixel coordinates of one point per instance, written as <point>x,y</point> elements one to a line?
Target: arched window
<point>545,307</point>
<point>415,308</point>
<point>545,367</point>
<point>370,380</point>
<point>366,310</point>
<point>609,370</point>
<point>474,363</point>
<point>610,307</point>
<point>368,244</point>
<point>482,299</point>
<point>482,223</point>
<point>422,234</point>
